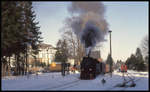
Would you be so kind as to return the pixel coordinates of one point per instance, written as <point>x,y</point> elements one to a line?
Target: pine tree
<point>131,62</point>
<point>118,64</point>
<point>31,26</point>
<point>33,38</point>
<point>136,61</point>
<point>10,32</point>
<point>140,65</point>
<point>146,62</point>
<point>19,29</point>
<point>62,51</point>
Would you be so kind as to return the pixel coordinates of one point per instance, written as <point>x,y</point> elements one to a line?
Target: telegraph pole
<point>110,43</point>
<point>110,54</point>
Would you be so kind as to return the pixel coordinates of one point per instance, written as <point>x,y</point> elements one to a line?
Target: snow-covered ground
<point>54,81</point>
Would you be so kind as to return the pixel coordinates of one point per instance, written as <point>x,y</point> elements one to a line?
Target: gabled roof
<point>45,46</point>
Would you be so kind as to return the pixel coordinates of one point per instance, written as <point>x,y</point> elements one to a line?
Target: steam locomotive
<point>90,68</point>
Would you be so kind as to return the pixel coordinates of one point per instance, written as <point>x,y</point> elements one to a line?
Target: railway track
<point>129,85</point>
<point>68,85</point>
<point>75,83</point>
<point>64,85</point>
<point>131,79</point>
<point>122,88</point>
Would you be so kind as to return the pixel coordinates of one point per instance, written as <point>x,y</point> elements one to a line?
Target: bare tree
<point>76,50</point>
<point>80,50</point>
<point>144,46</point>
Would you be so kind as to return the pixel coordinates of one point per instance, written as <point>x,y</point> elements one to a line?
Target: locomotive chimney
<point>89,53</point>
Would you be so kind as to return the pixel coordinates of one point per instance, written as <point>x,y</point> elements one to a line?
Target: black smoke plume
<point>88,23</point>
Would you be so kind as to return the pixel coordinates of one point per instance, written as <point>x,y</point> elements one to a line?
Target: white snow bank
<point>54,81</point>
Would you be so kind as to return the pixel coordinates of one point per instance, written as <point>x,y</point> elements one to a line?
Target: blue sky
<point>127,20</point>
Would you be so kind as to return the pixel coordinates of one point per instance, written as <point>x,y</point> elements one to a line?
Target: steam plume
<point>88,23</point>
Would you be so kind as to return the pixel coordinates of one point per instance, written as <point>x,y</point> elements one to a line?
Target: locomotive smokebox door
<point>90,68</point>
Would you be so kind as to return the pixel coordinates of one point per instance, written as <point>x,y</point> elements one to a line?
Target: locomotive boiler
<point>91,67</point>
